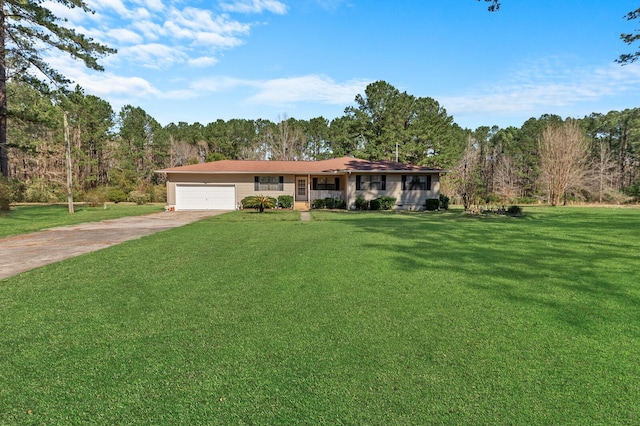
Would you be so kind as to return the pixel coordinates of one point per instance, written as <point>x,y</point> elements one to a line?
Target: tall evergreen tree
<point>27,29</point>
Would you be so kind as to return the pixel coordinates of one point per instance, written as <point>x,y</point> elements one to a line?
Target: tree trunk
<point>4,158</point>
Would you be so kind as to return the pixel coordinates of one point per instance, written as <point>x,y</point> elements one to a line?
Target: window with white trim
<point>369,182</point>
<point>416,182</point>
<point>268,183</point>
<point>326,183</point>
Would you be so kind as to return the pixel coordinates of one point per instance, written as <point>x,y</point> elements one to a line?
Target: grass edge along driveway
<point>348,319</point>
<point>24,219</point>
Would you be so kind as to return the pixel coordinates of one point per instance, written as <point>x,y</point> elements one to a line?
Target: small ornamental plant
<point>259,202</point>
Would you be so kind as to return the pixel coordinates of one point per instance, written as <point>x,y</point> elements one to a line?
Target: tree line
<point>115,155</point>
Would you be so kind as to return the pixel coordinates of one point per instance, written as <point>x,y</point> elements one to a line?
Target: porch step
<point>301,205</point>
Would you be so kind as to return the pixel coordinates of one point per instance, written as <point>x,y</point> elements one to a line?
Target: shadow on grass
<point>581,264</point>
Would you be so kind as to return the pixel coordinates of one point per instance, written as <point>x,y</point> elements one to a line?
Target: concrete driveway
<point>22,253</point>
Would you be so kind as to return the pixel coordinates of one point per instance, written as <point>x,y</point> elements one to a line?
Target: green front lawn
<point>352,318</point>
<point>30,218</point>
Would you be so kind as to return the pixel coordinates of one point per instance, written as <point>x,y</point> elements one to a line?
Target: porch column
<point>346,190</point>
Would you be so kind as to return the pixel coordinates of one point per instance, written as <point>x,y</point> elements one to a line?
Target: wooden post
<point>69,170</point>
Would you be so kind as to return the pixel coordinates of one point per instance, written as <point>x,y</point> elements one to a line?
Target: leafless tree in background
<point>562,150</point>
<point>603,172</point>
<point>506,178</point>
<point>466,176</point>
<point>287,141</point>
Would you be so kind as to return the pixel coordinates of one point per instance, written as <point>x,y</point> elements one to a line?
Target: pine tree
<point>27,28</point>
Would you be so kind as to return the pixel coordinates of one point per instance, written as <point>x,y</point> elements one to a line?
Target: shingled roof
<point>334,165</point>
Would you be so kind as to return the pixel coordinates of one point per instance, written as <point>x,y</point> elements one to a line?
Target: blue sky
<point>199,61</point>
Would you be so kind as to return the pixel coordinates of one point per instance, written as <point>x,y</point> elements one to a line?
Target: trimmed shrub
<point>444,202</point>
<point>375,204</point>
<point>318,204</point>
<point>330,203</point>
<point>387,203</point>
<point>285,201</point>
<point>361,203</point>
<point>340,203</point>
<point>432,204</point>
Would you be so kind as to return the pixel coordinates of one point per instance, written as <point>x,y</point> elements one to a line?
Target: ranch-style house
<point>221,185</point>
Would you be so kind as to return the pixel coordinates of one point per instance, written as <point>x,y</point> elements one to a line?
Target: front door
<point>301,189</point>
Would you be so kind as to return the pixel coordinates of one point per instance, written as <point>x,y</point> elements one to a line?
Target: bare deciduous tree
<point>287,141</point>
<point>603,173</point>
<point>562,150</point>
<point>466,175</point>
<point>506,183</point>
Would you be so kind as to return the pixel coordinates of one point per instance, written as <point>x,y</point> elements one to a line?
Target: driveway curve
<point>22,253</point>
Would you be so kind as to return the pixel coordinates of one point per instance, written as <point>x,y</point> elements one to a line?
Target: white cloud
<point>546,85</point>
<point>219,83</point>
<point>156,5</point>
<point>124,36</point>
<point>201,28</point>
<point>74,14</point>
<point>113,86</point>
<point>153,55</point>
<point>103,84</point>
<point>138,29</point>
<point>109,5</point>
<point>150,30</point>
<point>310,88</point>
<point>203,61</point>
<point>255,6</point>
<point>283,91</point>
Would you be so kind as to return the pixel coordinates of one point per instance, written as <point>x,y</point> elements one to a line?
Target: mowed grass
<point>30,218</point>
<point>352,318</point>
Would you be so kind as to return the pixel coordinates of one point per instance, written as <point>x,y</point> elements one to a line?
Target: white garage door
<point>205,197</point>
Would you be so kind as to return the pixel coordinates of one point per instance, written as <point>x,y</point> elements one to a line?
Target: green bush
<point>138,197</point>
<point>285,201</point>
<point>375,204</point>
<point>157,193</point>
<point>493,198</point>
<point>514,211</point>
<point>116,195</point>
<point>95,197</point>
<point>330,203</point>
<point>386,202</point>
<point>444,202</point>
<point>432,204</point>
<point>44,191</point>
<point>318,204</point>
<point>361,203</point>
<point>633,191</point>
